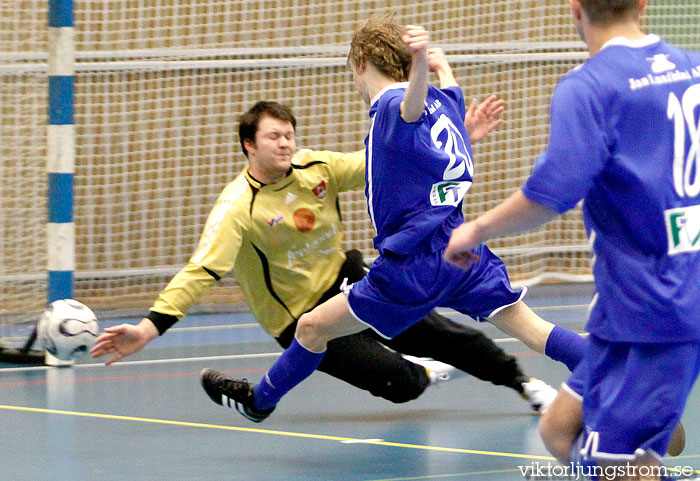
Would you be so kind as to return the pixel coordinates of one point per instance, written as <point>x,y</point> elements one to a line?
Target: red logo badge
<point>320,190</point>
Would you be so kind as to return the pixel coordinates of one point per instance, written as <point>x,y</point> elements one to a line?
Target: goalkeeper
<point>277,226</point>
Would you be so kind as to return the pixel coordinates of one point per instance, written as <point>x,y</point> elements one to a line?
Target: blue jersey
<point>417,173</point>
<point>625,138</point>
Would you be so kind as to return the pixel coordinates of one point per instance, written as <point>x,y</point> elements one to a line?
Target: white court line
<point>147,361</point>
<point>361,441</point>
<point>540,308</point>
<point>504,340</point>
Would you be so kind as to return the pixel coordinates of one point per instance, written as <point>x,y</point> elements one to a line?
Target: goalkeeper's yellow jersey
<point>281,241</point>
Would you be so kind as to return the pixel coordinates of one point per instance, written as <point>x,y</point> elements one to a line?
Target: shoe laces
<point>235,385</point>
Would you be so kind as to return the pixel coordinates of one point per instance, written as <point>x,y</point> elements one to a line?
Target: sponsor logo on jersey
<point>683,229</point>
<point>322,244</point>
<point>660,63</point>
<point>320,190</point>
<point>304,219</point>
<point>662,78</point>
<point>275,220</point>
<point>448,192</point>
<point>434,106</point>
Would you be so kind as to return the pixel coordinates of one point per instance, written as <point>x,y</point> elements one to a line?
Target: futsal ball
<point>67,329</point>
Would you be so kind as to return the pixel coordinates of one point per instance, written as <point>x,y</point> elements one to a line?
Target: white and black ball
<point>68,329</point>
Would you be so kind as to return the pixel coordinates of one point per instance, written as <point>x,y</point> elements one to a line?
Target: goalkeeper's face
<point>270,156</point>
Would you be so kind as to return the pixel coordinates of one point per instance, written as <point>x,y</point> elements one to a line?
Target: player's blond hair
<point>379,42</point>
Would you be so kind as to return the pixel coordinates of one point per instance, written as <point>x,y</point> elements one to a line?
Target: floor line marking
<point>561,307</point>
<point>686,457</point>
<point>362,441</point>
<point>219,326</point>
<point>268,431</point>
<point>502,340</point>
<point>147,361</point>
<point>134,377</point>
<point>440,311</point>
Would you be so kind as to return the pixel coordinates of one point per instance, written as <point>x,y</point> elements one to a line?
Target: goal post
<point>60,238</point>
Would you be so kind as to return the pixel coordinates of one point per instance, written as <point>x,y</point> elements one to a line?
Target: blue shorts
<point>398,291</point>
<point>633,395</point>
<point>574,385</point>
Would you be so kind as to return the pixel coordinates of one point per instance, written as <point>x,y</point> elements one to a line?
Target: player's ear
<point>642,5</point>
<point>576,8</point>
<point>249,145</point>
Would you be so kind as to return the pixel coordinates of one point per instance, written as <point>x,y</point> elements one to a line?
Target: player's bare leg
<point>522,323</point>
<point>330,320</point>
<point>561,424</point>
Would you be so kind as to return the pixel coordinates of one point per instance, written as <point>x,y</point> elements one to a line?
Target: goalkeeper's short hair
<point>249,121</point>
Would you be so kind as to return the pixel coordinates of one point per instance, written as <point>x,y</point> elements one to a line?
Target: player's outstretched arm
<point>438,64</point>
<point>515,214</point>
<point>482,119</point>
<point>416,39</point>
<point>124,340</point>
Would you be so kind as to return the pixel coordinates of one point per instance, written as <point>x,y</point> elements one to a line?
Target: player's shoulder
<point>692,56</point>
<point>576,82</point>
<point>312,167</point>
<point>238,191</point>
<point>454,92</point>
<point>450,96</point>
<point>306,158</point>
<point>391,95</point>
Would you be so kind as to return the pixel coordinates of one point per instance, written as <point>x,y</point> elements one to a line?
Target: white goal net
<point>159,86</point>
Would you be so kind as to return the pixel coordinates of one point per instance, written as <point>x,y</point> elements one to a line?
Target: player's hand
<point>416,39</point>
<point>462,241</point>
<point>482,119</point>
<point>437,60</point>
<point>123,340</point>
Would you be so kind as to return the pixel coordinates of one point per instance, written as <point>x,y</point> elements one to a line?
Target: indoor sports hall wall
<point>159,88</point>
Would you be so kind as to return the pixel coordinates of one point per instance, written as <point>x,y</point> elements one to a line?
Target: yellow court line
<point>690,456</point>
<point>267,431</point>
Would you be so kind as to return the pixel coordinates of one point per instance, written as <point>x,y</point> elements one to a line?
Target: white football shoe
<point>539,394</point>
<point>438,372</point>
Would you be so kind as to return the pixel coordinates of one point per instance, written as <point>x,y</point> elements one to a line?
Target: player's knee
<point>309,332</point>
<point>556,436</point>
<point>547,428</point>
<point>399,392</point>
<point>404,387</point>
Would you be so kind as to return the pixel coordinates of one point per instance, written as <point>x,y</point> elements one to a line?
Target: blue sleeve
<point>456,94</point>
<point>577,150</point>
<point>388,120</point>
